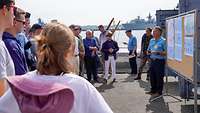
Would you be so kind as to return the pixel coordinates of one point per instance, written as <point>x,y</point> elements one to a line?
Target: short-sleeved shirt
<point>102,38</point>
<point>6,63</point>
<point>16,53</point>
<point>158,45</point>
<point>85,95</point>
<point>22,39</point>
<point>132,43</point>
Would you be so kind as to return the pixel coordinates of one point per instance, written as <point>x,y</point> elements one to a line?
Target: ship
<point>140,24</point>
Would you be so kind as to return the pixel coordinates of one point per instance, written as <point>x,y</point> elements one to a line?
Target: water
<point>121,37</point>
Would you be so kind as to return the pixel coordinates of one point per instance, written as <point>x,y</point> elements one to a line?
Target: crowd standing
<point>55,57</point>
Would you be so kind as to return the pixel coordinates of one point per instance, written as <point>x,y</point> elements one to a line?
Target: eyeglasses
<point>21,21</point>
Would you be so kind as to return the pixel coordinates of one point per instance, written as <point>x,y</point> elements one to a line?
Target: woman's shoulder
<point>68,79</point>
<point>77,80</point>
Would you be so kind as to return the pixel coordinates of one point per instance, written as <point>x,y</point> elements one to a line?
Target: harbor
<point>131,56</point>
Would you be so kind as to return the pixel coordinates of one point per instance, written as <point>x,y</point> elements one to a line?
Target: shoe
<point>104,81</point>
<point>137,78</point>
<point>114,80</point>
<point>156,95</point>
<point>149,92</point>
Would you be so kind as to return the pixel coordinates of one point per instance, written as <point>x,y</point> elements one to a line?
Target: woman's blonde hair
<point>54,42</point>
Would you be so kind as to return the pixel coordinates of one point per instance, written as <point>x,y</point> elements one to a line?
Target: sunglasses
<point>21,21</point>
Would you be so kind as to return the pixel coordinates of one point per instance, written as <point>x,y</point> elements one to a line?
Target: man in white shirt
<point>102,37</point>
<point>6,21</point>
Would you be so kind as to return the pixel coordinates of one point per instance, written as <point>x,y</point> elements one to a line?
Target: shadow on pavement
<point>172,88</point>
<point>129,79</point>
<point>189,108</point>
<point>104,87</point>
<point>145,85</point>
<point>158,106</point>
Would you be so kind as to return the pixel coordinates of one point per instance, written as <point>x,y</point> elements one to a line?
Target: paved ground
<point>128,96</point>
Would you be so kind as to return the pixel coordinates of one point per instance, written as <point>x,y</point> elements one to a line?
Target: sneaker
<point>114,80</point>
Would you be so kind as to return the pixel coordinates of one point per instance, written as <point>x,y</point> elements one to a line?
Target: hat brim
<point>34,94</point>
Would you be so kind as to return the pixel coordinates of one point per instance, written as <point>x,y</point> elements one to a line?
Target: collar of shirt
<point>7,35</point>
<point>161,38</point>
<point>109,40</point>
<point>132,37</point>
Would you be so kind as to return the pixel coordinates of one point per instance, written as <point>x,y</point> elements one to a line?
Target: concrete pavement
<point>128,96</point>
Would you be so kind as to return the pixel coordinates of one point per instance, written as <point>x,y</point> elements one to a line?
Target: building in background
<point>161,15</point>
<point>188,5</point>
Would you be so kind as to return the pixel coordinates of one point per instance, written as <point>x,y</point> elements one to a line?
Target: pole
<point>109,25</point>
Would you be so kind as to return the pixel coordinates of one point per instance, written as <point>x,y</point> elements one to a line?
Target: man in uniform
<point>157,52</point>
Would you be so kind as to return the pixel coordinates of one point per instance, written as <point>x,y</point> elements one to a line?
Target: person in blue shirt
<point>110,48</point>
<point>90,58</point>
<point>157,52</point>
<point>132,48</point>
<point>24,40</point>
<point>13,46</point>
<point>22,37</point>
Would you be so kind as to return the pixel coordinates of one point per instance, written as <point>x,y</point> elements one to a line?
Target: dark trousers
<point>157,71</point>
<point>133,65</point>
<point>91,67</point>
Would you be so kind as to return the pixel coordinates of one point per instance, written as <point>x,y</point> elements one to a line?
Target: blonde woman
<point>53,88</point>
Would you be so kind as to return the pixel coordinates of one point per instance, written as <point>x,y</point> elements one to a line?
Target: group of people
<point>153,51</point>
<point>44,64</point>
<point>87,50</point>
<point>18,45</point>
<point>54,85</point>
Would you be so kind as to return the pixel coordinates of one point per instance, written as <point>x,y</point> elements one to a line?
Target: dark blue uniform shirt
<point>89,42</point>
<point>16,53</point>
<point>107,45</point>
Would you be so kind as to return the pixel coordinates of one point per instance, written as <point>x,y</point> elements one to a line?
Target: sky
<point>92,12</point>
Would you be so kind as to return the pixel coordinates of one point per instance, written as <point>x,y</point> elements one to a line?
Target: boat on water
<point>140,24</point>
